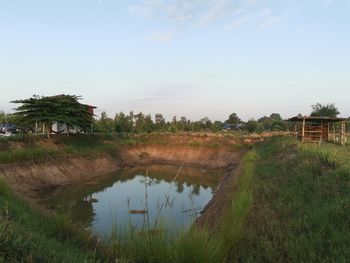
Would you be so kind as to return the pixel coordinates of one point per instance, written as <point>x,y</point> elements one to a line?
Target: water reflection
<point>140,198</point>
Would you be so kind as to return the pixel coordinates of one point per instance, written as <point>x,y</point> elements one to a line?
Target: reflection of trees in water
<point>196,189</point>
<point>179,187</point>
<point>71,199</point>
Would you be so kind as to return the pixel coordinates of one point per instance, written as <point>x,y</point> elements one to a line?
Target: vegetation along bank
<point>280,201</point>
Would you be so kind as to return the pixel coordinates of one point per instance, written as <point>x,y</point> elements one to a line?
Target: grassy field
<point>300,211</point>
<point>291,205</point>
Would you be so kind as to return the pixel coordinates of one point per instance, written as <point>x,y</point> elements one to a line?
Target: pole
<point>342,134</point>
<point>303,131</point>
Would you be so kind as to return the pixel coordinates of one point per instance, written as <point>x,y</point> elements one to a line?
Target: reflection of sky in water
<point>175,201</point>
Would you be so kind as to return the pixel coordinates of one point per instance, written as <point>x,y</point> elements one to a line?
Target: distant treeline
<point>140,123</point>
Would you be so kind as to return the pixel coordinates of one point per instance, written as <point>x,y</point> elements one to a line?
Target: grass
<point>300,210</point>
<point>30,148</point>
<point>28,236</point>
<point>26,154</point>
<point>291,205</point>
<point>231,225</point>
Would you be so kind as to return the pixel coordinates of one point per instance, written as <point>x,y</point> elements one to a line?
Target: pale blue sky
<point>194,58</point>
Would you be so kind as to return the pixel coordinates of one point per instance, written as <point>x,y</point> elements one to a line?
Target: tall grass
<point>231,225</point>
<point>26,154</point>
<point>27,236</point>
<point>300,210</point>
<point>66,146</point>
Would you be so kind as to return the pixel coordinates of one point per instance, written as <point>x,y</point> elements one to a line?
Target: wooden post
<point>43,127</point>
<point>334,132</point>
<point>342,133</point>
<point>321,134</point>
<point>329,136</point>
<point>303,131</point>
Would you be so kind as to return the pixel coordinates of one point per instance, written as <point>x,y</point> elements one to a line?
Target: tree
<point>122,123</point>
<point>217,126</point>
<point>206,123</point>
<point>234,121</point>
<point>252,125</point>
<point>324,110</point>
<point>272,123</point>
<point>173,124</point>
<point>2,117</point>
<point>138,122</point>
<point>182,124</point>
<point>105,124</point>
<point>147,124</point>
<point>159,121</point>
<point>47,110</point>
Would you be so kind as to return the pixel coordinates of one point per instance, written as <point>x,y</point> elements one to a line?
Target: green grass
<point>28,236</point>
<point>26,154</point>
<point>300,210</point>
<point>291,204</point>
<point>67,146</point>
<point>231,226</point>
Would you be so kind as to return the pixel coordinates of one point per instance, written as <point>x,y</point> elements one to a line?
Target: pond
<point>158,197</point>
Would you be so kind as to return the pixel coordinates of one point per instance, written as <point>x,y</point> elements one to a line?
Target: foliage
<point>252,125</point>
<point>159,122</point>
<point>216,127</point>
<point>105,124</point>
<point>62,108</point>
<point>234,121</point>
<point>324,110</point>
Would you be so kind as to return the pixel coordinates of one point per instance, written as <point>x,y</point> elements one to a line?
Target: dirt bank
<point>220,158</point>
<point>220,202</point>
<point>29,178</point>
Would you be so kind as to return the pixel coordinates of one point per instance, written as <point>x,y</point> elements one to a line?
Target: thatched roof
<point>316,119</point>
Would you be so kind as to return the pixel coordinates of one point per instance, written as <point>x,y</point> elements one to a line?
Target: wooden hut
<point>320,129</point>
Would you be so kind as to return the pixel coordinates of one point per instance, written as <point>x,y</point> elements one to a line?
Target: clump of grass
<point>194,144</point>
<point>27,236</point>
<point>214,145</point>
<point>26,154</point>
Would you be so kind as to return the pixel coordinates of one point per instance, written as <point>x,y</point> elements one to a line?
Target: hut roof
<point>316,119</point>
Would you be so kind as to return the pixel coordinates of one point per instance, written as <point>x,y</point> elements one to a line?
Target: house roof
<point>316,119</point>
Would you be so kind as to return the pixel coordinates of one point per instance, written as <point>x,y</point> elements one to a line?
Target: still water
<point>140,198</point>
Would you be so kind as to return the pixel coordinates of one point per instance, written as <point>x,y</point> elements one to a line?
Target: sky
<point>190,58</point>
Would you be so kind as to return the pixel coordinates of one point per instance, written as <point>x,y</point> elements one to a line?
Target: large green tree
<point>324,110</point>
<point>49,109</point>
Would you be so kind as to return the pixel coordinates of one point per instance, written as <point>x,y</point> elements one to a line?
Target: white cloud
<point>215,11</point>
<point>270,21</point>
<point>239,22</point>
<point>184,15</point>
<point>164,37</point>
<point>193,13</point>
<point>140,10</point>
